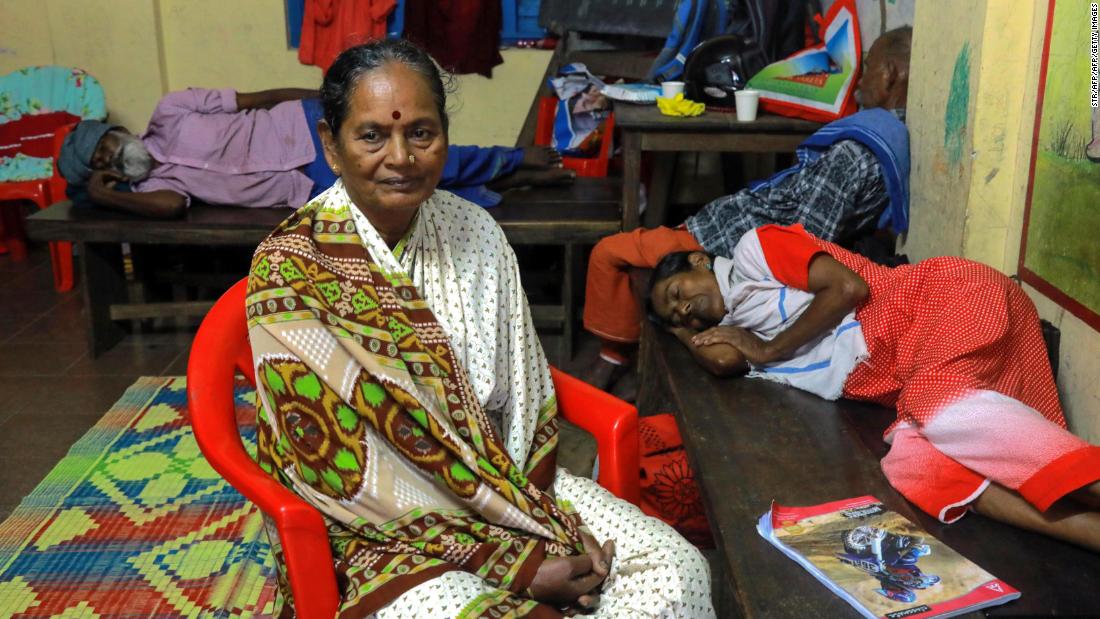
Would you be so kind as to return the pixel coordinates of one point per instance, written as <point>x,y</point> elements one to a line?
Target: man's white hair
<point>132,159</point>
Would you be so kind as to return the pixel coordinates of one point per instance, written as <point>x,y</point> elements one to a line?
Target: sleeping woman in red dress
<point>954,346</point>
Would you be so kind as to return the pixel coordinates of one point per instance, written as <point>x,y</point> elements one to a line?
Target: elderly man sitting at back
<point>257,149</point>
<point>852,177</point>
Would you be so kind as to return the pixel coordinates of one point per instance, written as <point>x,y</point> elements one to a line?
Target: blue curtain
<point>295,10</point>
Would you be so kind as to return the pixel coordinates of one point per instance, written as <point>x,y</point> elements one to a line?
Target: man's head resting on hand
<point>95,145</point>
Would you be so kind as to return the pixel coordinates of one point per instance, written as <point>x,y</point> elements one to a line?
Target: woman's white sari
<point>456,280</point>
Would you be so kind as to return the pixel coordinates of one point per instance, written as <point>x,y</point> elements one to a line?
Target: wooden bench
<point>752,441</point>
<point>567,216</point>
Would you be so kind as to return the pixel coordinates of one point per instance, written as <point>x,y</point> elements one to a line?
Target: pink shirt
<point>210,151</point>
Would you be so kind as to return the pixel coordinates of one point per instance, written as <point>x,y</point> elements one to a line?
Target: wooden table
<point>752,441</point>
<point>567,216</point>
<point>644,128</point>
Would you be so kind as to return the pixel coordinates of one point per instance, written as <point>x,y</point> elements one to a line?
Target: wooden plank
<point>552,234</point>
<point>654,395</point>
<point>136,311</point>
<point>660,185</point>
<point>584,191</point>
<point>582,212</point>
<point>721,142</point>
<point>202,225</point>
<point>570,257</point>
<point>547,315</point>
<point>649,118</point>
<point>219,281</point>
<point>632,179</point>
<point>722,424</point>
<point>752,441</point>
<point>644,128</point>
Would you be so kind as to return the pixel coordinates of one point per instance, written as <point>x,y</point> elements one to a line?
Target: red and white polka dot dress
<point>941,328</point>
<point>948,339</point>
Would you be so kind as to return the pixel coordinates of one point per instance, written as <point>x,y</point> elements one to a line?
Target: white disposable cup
<point>746,102</point>
<point>671,89</point>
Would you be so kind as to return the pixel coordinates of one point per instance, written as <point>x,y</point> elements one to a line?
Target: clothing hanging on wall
<point>463,36</point>
<point>331,26</point>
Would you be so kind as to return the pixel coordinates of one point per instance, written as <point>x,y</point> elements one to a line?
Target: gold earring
<point>412,158</point>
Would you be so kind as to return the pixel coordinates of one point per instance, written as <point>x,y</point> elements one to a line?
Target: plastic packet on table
<point>632,92</point>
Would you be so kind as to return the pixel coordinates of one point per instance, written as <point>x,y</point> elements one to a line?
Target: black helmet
<point>718,67</point>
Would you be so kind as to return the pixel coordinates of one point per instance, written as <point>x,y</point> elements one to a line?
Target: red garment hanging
<point>331,26</point>
<point>462,35</point>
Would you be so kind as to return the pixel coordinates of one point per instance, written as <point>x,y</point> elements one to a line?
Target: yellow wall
<point>938,187</point>
<point>491,111</point>
<point>971,117</point>
<point>115,41</point>
<point>244,48</point>
<point>140,49</point>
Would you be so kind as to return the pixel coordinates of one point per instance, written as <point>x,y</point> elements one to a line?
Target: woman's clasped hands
<point>572,583</point>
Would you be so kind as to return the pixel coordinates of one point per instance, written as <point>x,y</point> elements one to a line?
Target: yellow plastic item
<point>679,106</point>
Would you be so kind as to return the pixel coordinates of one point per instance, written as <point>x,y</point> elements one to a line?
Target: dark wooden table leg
<point>653,387</point>
<point>104,283</point>
<point>664,167</point>
<point>568,295</point>
<point>632,178</point>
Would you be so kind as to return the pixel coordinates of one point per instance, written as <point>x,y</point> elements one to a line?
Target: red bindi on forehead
<point>396,115</point>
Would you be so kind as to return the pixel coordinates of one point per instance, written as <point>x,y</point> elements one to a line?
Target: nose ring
<point>412,158</point>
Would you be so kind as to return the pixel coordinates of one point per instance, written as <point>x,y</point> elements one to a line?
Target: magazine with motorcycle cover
<point>879,562</point>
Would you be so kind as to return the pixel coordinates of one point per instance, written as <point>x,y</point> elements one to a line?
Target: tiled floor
<point>51,391</point>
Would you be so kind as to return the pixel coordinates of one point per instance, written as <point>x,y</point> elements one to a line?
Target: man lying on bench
<point>953,345</point>
<point>256,149</point>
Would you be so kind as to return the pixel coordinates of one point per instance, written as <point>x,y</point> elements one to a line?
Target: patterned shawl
<point>367,412</point>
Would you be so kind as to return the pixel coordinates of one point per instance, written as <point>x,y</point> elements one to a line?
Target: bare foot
<point>540,157</point>
<point>1065,520</point>
<point>536,178</point>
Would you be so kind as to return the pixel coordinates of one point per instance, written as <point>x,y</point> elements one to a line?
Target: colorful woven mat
<point>133,522</point>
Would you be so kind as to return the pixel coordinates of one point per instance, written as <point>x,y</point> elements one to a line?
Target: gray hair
<point>132,159</point>
<point>343,76</point>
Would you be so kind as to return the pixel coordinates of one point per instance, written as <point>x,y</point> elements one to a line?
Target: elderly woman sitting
<point>403,391</point>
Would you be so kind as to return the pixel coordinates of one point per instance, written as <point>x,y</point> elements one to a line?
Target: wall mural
<point>1060,250</point>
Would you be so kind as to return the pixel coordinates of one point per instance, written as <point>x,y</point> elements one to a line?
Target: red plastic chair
<point>42,192</point>
<point>221,347</point>
<point>583,166</point>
